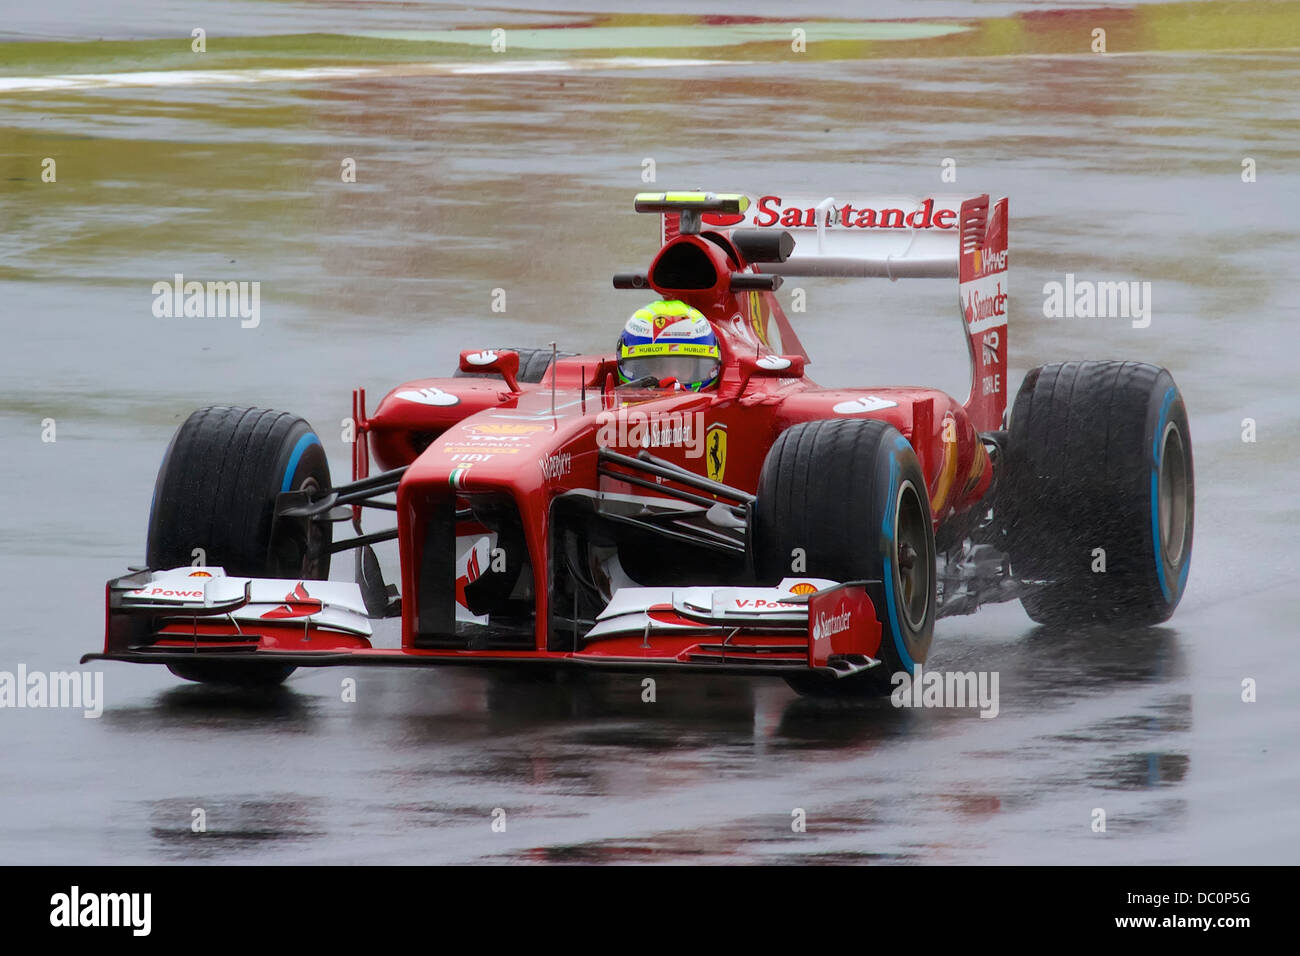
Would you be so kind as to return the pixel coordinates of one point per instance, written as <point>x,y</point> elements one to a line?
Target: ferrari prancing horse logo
<point>715,451</point>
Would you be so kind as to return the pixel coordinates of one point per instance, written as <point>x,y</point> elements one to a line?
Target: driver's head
<point>671,342</point>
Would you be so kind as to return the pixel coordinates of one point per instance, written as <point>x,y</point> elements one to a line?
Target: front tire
<point>1101,495</point>
<point>216,493</point>
<point>851,495</point>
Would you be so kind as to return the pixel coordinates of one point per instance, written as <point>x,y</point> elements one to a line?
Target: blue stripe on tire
<point>1156,451</point>
<point>891,515</point>
<point>305,442</point>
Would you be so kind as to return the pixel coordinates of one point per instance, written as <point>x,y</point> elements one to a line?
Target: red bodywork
<point>462,437</point>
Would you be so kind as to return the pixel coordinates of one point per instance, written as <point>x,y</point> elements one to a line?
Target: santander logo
<point>828,625</point>
<point>773,210</point>
<point>983,307</point>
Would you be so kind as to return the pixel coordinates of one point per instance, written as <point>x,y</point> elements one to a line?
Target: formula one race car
<point>691,502</point>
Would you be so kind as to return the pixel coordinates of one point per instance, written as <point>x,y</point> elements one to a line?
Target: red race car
<point>691,502</point>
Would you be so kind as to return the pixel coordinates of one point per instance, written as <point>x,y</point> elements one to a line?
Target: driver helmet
<point>671,342</point>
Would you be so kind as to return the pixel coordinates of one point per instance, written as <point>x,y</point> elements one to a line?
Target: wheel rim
<point>1173,497</point>
<point>911,556</point>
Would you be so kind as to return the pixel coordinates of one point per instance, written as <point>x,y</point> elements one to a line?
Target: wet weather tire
<point>851,495</point>
<point>216,491</point>
<point>1100,495</point>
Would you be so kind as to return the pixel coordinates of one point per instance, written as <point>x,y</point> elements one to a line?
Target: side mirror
<point>771,366</point>
<point>502,361</point>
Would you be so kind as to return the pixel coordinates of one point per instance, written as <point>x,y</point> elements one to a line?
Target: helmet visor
<point>689,370</point>
<point>689,364</point>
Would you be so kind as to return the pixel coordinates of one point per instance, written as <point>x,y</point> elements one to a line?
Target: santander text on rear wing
<point>885,236</point>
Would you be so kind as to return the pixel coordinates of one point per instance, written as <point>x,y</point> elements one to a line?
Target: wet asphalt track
<point>1118,168</point>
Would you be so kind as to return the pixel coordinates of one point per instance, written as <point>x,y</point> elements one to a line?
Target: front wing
<point>188,614</point>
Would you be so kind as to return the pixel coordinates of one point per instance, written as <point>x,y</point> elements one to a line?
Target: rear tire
<point>851,495</point>
<point>1100,457</point>
<point>216,491</point>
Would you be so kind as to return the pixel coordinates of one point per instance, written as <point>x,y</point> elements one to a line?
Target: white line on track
<point>163,78</point>
<point>166,78</point>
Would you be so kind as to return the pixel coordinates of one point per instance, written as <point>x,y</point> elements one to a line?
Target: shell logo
<point>803,587</point>
<point>200,574</point>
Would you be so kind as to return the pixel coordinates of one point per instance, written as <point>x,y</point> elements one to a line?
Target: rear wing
<point>898,237</point>
<point>890,237</point>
